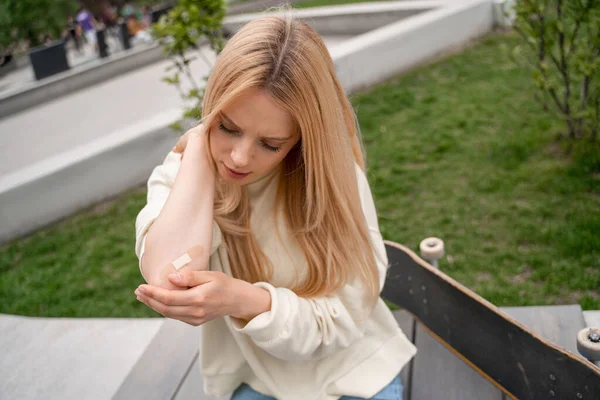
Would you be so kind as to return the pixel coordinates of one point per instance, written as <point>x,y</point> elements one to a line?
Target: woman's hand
<point>209,295</point>
<point>193,134</point>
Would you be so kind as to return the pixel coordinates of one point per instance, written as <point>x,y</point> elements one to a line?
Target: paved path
<point>76,119</point>
<point>23,78</point>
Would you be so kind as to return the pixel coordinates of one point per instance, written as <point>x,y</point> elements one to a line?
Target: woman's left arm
<point>283,324</point>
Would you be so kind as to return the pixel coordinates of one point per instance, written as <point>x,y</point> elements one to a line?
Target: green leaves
<point>189,22</point>
<point>562,48</point>
<point>181,32</point>
<point>172,80</point>
<point>32,19</point>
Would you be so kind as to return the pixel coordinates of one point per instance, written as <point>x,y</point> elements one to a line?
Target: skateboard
<point>519,362</point>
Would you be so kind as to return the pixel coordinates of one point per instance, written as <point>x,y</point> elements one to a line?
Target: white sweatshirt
<point>302,348</point>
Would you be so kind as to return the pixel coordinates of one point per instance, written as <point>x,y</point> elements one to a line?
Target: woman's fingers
<point>193,315</point>
<point>181,144</point>
<point>183,140</point>
<point>167,297</point>
<point>190,315</point>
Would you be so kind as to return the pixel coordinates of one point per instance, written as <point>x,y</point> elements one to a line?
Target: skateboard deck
<point>519,362</point>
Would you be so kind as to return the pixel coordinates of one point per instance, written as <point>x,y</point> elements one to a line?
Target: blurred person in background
<point>137,30</point>
<point>133,25</point>
<point>74,33</point>
<point>88,24</point>
<point>48,40</point>
<point>147,18</point>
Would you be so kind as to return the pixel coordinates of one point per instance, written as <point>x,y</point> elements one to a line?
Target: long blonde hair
<point>319,196</point>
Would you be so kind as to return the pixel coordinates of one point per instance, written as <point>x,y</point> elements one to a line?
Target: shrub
<point>562,47</point>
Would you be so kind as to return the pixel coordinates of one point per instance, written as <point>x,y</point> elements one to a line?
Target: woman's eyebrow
<point>276,139</point>
<point>230,121</point>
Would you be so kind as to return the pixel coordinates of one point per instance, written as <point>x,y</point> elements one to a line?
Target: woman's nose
<point>240,155</point>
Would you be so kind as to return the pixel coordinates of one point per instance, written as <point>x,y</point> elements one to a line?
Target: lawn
<point>457,149</point>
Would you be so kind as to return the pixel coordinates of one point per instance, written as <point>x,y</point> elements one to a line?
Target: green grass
<point>457,149</point>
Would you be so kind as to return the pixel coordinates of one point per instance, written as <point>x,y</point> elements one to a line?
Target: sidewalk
<point>23,78</point>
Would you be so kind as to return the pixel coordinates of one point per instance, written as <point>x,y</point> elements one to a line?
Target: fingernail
<point>142,290</point>
<point>138,298</point>
<point>176,277</point>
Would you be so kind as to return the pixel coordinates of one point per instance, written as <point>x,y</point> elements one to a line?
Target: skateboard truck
<point>588,343</point>
<point>432,249</point>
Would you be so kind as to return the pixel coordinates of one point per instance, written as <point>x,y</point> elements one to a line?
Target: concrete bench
<point>157,358</point>
<point>435,373</point>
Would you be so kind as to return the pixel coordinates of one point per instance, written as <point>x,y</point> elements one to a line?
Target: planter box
<point>48,60</point>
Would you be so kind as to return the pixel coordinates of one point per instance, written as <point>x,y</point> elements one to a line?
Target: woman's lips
<point>235,174</point>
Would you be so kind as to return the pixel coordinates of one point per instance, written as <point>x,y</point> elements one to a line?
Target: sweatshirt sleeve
<point>159,187</point>
<point>297,328</point>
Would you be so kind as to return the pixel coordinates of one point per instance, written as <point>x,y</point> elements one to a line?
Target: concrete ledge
<point>77,78</point>
<point>54,188</point>
<point>352,19</point>
<point>70,358</point>
<point>392,49</point>
<point>157,358</point>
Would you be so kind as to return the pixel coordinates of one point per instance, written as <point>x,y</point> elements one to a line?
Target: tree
<point>31,20</point>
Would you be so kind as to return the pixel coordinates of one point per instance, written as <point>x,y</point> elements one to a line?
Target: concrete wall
<point>354,19</point>
<point>48,191</point>
<point>55,188</point>
<point>392,49</point>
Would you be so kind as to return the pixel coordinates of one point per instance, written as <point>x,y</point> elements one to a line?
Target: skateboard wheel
<point>432,248</point>
<point>588,343</point>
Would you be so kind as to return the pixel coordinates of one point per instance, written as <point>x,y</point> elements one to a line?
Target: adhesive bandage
<point>186,258</point>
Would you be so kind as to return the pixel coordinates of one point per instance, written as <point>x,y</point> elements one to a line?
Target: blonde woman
<point>260,226</point>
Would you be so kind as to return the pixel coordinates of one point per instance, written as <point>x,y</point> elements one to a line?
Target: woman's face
<point>250,137</point>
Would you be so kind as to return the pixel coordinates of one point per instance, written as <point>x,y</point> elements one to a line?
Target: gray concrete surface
<point>20,90</point>
<point>23,76</point>
<point>592,318</point>
<point>26,93</point>
<point>93,358</point>
<point>406,44</point>
<point>69,358</point>
<point>350,19</point>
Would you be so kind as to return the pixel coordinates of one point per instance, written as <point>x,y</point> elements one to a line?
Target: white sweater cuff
<point>269,325</point>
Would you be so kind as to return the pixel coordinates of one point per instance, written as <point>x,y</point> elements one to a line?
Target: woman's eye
<point>224,129</point>
<point>270,148</point>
